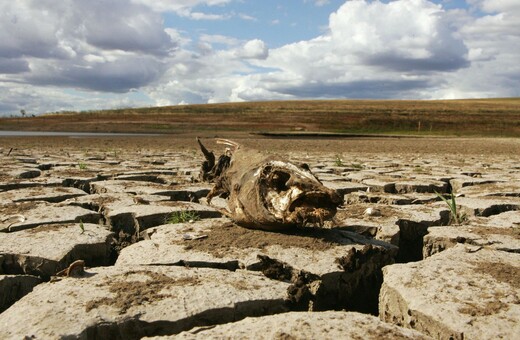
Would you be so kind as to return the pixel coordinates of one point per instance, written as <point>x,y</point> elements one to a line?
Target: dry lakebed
<point>153,260</point>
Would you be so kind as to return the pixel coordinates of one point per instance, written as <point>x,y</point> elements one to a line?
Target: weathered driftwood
<point>267,192</point>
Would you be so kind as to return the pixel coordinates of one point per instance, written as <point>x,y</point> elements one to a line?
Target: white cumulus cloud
<point>77,54</point>
<point>253,49</point>
<point>82,44</point>
<point>372,49</point>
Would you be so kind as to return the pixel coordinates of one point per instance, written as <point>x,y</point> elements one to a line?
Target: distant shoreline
<point>320,135</point>
<point>71,134</point>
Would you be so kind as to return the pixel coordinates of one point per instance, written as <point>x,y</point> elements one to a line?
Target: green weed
<point>82,166</point>
<point>419,170</point>
<point>182,217</point>
<point>455,216</point>
<point>81,226</point>
<point>338,161</point>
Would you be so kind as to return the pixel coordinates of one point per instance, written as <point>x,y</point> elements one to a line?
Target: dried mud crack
<point>392,250</point>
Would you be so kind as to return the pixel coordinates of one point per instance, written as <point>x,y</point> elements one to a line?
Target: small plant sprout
<point>182,217</point>
<point>418,169</point>
<point>82,166</point>
<point>455,215</point>
<point>82,227</point>
<point>338,161</point>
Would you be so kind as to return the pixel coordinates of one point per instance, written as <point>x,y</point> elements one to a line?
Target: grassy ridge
<point>483,117</point>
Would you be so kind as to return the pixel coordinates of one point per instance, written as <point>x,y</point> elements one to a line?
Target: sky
<point>77,55</point>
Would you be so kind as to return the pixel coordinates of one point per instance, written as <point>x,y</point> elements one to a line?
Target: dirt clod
<point>299,295</point>
<point>355,259</point>
<point>275,270</point>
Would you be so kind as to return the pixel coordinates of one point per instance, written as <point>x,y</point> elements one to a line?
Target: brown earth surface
<point>470,271</point>
<point>471,117</point>
<point>220,241</point>
<point>416,145</point>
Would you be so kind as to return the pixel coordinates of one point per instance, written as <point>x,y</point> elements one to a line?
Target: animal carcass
<point>267,192</point>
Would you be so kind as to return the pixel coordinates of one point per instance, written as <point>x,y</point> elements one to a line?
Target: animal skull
<point>268,192</point>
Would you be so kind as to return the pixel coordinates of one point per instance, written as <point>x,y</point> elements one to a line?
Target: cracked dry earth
<point>391,265</point>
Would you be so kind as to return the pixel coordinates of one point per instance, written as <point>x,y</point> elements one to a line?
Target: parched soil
<point>512,232</point>
<point>129,293</point>
<point>17,208</point>
<point>501,272</point>
<point>186,142</point>
<point>221,241</point>
<point>351,280</point>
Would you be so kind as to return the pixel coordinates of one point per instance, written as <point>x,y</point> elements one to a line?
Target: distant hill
<point>482,117</point>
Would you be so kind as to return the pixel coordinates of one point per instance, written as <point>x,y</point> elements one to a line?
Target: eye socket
<point>278,180</point>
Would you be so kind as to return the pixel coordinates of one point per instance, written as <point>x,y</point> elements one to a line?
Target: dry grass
<point>479,117</point>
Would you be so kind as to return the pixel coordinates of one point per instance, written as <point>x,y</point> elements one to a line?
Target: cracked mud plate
<point>129,303</point>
